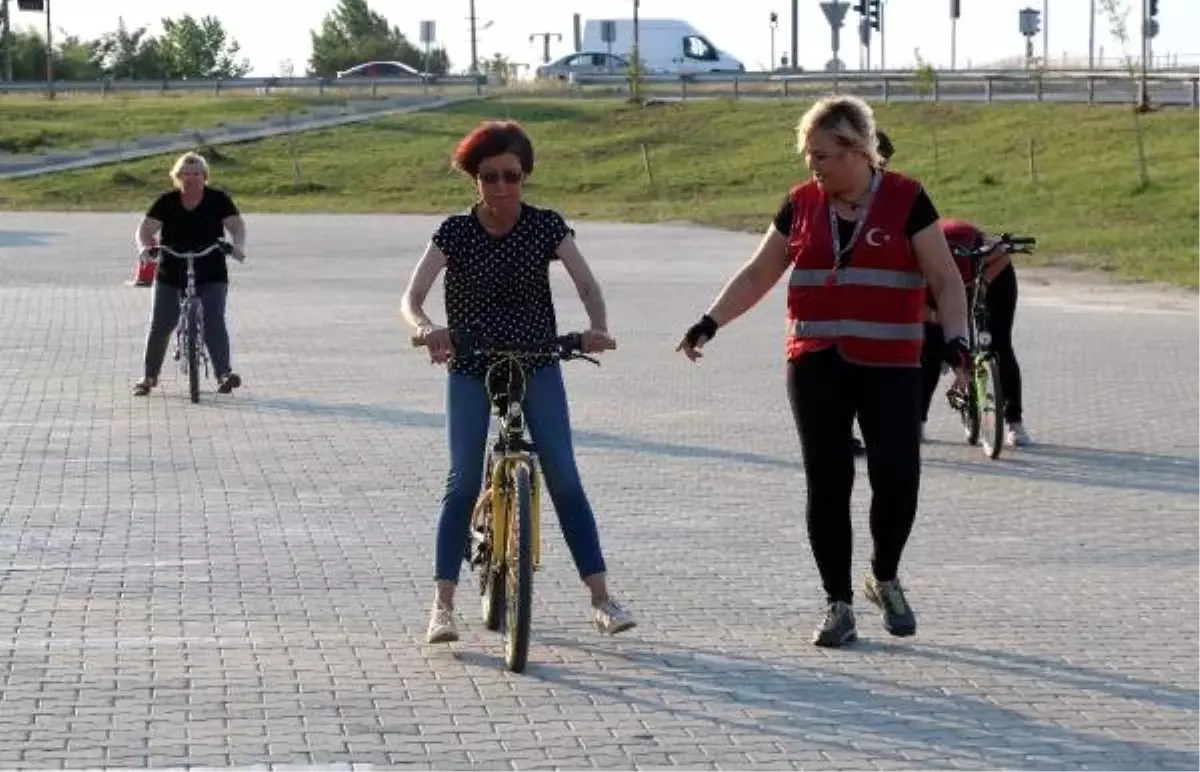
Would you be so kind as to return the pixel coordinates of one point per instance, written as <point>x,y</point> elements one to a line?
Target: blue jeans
<point>547,419</point>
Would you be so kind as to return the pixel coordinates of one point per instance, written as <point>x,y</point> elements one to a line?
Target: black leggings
<point>826,393</point>
<point>1002,309</point>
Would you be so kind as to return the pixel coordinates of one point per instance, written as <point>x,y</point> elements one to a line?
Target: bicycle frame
<point>189,303</point>
<point>510,447</point>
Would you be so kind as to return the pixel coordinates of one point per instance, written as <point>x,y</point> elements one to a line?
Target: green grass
<point>729,164</point>
<point>38,125</point>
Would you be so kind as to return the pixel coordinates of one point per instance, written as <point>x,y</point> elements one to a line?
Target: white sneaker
<point>613,618</point>
<point>1016,435</point>
<point>442,628</point>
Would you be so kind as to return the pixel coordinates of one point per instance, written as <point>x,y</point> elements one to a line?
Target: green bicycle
<point>980,402</point>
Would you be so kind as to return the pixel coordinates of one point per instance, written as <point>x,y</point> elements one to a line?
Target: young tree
<point>192,48</point>
<point>74,59</point>
<point>133,55</point>
<point>1118,15</point>
<point>353,34</point>
<point>926,83</point>
<point>77,59</point>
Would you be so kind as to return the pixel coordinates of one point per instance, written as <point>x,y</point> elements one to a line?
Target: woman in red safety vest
<point>862,244</point>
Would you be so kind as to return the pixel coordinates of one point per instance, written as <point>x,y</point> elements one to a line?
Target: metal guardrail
<point>1081,86</point>
<point>258,85</point>
<point>986,86</point>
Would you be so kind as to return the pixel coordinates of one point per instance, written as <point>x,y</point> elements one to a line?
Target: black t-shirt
<point>499,286</point>
<point>190,231</point>
<point>921,216</point>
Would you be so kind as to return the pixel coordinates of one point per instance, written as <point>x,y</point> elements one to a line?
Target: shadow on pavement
<point>393,416</point>
<point>810,708</point>
<point>25,238</point>
<point>1095,467</point>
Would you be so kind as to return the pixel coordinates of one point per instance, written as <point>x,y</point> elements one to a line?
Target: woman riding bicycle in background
<point>497,258</point>
<point>1001,300</point>
<point>190,218</point>
<point>1001,278</point>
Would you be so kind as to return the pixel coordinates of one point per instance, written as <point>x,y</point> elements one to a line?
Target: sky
<point>987,30</point>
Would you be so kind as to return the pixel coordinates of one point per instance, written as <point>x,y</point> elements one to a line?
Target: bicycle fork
<point>189,306</point>
<point>497,500</point>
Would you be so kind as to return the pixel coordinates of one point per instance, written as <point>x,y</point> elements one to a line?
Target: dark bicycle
<point>980,401</point>
<point>189,334</point>
<point>508,510</point>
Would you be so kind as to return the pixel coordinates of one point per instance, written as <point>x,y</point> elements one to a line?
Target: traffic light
<point>1153,8</point>
<point>955,10</point>
<point>774,18</point>
<point>873,14</point>
<point>861,7</point>
<point>31,5</point>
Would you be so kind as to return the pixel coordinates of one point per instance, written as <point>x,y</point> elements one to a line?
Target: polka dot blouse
<point>499,286</point>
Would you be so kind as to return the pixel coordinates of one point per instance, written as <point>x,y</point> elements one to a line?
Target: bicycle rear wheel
<point>519,562</point>
<point>989,396</point>
<point>193,351</point>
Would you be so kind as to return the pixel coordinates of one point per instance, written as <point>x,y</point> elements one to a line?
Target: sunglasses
<point>509,176</point>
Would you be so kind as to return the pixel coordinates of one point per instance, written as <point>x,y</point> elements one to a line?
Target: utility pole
<point>882,38</point>
<point>955,12</point>
<point>1144,99</point>
<point>636,86</point>
<point>774,21</point>
<point>795,34</point>
<point>1045,34</point>
<point>1092,36</point>
<point>474,41</point>
<point>545,36</point>
<point>41,6</point>
<point>7,40</point>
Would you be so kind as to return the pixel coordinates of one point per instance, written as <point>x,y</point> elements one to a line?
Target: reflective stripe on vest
<point>850,328</point>
<point>870,277</point>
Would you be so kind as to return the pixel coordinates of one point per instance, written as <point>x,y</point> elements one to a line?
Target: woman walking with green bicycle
<point>497,257</point>
<point>191,217</point>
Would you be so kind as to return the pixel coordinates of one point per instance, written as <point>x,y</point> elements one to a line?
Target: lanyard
<point>841,255</point>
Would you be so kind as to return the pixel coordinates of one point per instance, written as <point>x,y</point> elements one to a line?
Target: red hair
<point>490,139</point>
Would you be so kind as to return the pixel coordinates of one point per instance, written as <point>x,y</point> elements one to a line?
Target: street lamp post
<point>44,7</point>
<point>637,56</point>
<point>774,26</point>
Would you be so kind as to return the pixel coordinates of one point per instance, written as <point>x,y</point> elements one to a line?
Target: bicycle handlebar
<point>564,347</point>
<point>1010,242</point>
<point>221,246</point>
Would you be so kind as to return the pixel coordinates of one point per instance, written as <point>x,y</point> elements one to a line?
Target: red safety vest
<point>872,309</point>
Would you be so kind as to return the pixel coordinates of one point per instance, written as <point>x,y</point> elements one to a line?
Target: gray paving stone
<point>246,581</point>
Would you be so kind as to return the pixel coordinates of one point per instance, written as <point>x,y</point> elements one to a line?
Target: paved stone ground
<point>245,582</point>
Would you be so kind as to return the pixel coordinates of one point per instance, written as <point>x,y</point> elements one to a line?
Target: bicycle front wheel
<point>192,351</point>
<point>519,562</point>
<point>989,396</point>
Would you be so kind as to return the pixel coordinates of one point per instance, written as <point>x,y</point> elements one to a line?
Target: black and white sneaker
<point>898,616</point>
<point>838,629</point>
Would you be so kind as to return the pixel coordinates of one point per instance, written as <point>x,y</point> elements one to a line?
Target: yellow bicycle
<point>508,510</point>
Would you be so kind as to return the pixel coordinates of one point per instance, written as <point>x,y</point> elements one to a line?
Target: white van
<point>665,46</point>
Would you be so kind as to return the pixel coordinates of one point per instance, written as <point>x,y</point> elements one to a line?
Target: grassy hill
<point>729,164</point>
<point>37,125</point>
